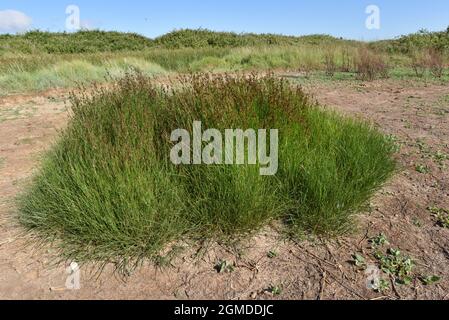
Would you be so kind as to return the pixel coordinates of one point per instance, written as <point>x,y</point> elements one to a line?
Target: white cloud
<point>14,21</point>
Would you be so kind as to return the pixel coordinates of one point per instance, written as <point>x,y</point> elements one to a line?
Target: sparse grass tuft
<point>107,190</point>
<point>436,62</point>
<point>371,65</point>
<point>330,62</point>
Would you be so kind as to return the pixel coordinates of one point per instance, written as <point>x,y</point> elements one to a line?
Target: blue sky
<point>345,18</point>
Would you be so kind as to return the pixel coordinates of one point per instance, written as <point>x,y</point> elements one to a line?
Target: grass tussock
<point>107,190</point>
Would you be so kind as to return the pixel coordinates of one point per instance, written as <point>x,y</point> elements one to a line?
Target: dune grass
<point>65,74</point>
<point>108,192</point>
<point>38,61</point>
<point>23,73</point>
<point>33,61</point>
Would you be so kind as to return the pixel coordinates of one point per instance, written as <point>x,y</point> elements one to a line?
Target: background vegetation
<point>102,41</point>
<point>41,60</point>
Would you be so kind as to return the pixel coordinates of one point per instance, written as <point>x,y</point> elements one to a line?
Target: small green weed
<point>275,290</point>
<point>417,223</point>
<point>442,216</point>
<point>396,145</point>
<point>430,280</point>
<point>378,241</point>
<point>399,267</point>
<point>359,261</point>
<point>440,158</point>
<point>272,254</point>
<point>394,263</point>
<point>224,266</point>
<point>423,169</point>
<point>382,286</point>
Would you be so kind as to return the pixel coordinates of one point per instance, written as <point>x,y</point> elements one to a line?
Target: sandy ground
<point>416,113</point>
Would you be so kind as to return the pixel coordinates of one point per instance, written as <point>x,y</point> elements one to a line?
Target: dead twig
<point>319,258</point>
<point>323,285</point>
<point>395,289</point>
<point>352,290</point>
